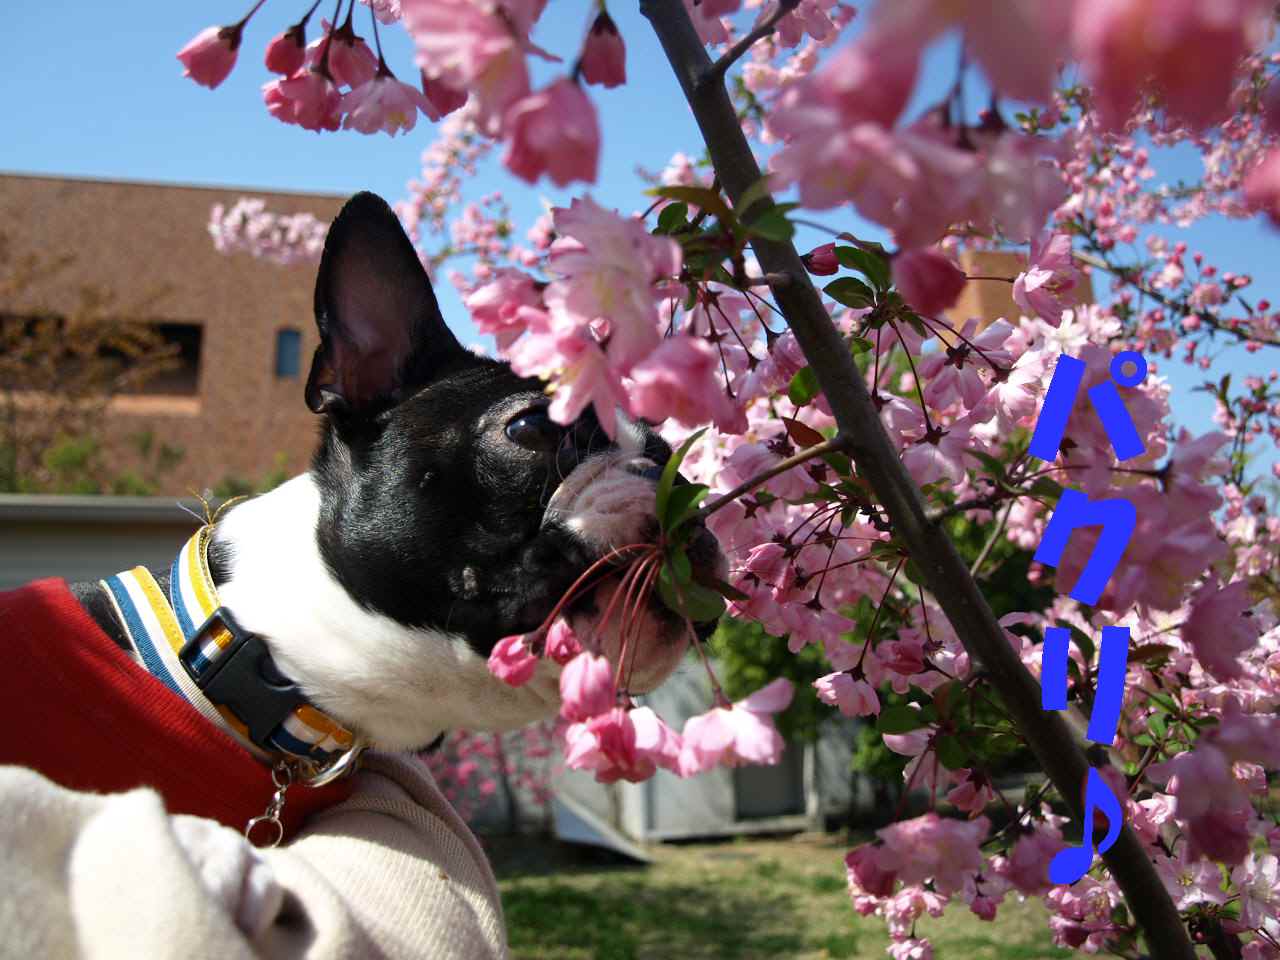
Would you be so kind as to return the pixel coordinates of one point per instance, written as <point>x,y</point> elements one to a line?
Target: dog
<point>444,509</point>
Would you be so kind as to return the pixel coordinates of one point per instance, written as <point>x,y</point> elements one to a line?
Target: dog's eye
<point>535,430</point>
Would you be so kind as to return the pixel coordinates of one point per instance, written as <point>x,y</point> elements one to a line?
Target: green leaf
<point>871,265</point>
<point>1047,487</point>
<point>668,478</point>
<point>838,462</point>
<point>860,345</point>
<point>702,197</point>
<point>757,191</point>
<point>1082,639</point>
<point>913,572</point>
<point>700,604</point>
<point>951,752</point>
<point>915,322</point>
<point>948,696</point>
<point>681,503</point>
<point>994,466</point>
<point>673,217</point>
<point>804,387</point>
<point>728,591</point>
<point>851,292</point>
<point>899,719</point>
<point>773,225</point>
<point>681,568</point>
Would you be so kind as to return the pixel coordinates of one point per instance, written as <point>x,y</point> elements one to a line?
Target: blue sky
<point>95,90</point>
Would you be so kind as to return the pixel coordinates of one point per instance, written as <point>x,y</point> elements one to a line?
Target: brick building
<point>244,327</point>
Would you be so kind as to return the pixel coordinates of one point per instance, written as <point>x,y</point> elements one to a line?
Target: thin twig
<point>761,30</point>
<point>991,542</point>
<point>836,443</point>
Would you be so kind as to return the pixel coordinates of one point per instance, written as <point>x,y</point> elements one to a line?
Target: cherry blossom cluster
<point>467,53</point>
<point>247,226</point>
<point>604,732</point>
<point>474,770</point>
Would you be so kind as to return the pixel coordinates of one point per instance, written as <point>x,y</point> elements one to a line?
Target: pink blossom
<point>1128,46</point>
<point>606,267</point>
<point>740,733</point>
<point>475,47</point>
<point>1018,42</point>
<point>1050,275</point>
<point>554,132</point>
<point>1190,881</point>
<point>1220,627</point>
<point>1258,880</point>
<point>562,643</point>
<point>286,53</point>
<point>1262,186</point>
<point>855,698</point>
<point>1027,866</point>
<point>308,99</point>
<point>927,280</point>
<point>868,80</point>
<point>681,380</point>
<point>821,260</point>
<point>929,847</point>
<point>871,869</point>
<point>912,948</point>
<point>580,373</point>
<point>604,55</point>
<point>606,745</point>
<point>209,56</point>
<point>383,103</point>
<point>511,661</point>
<point>350,61</point>
<point>496,306</point>
<point>984,908</point>
<point>586,688</point>
<point>810,622</point>
<point>444,99</point>
<point>656,741</point>
<point>1220,835</point>
<point>972,794</point>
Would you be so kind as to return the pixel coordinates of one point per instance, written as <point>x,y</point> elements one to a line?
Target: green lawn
<point>744,899</point>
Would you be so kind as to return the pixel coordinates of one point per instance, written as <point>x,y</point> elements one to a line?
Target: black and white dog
<point>444,510</point>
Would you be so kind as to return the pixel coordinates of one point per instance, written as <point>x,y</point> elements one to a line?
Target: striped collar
<point>195,647</point>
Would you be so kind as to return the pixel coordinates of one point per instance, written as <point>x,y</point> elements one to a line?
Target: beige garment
<point>392,872</point>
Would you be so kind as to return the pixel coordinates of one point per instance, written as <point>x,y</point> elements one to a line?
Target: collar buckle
<point>243,678</point>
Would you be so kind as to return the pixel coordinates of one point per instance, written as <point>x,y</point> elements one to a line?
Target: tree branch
<point>833,445</point>
<point>764,28</point>
<point>945,573</point>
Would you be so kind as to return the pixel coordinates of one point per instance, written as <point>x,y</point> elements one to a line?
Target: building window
<point>108,356</point>
<point>182,377</point>
<point>288,353</point>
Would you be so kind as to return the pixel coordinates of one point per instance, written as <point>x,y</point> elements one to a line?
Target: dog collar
<point>195,647</point>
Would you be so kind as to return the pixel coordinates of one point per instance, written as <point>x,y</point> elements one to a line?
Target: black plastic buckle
<point>244,679</point>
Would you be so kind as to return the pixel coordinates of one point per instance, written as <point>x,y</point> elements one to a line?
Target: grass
<point>739,900</point>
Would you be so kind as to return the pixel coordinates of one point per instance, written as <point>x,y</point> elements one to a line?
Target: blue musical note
<point>1069,865</point>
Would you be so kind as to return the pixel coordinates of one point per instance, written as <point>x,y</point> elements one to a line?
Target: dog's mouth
<point>607,503</point>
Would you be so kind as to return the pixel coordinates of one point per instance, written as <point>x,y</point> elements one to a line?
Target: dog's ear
<point>381,332</point>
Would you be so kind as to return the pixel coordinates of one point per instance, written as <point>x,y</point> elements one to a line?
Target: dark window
<point>288,353</point>
<point>102,356</point>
